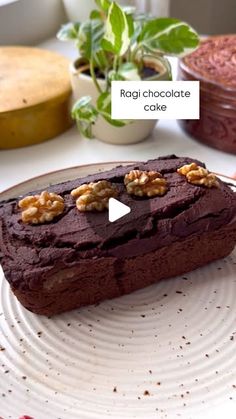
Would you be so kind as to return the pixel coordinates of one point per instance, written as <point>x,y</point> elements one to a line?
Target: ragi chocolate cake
<point>181,218</point>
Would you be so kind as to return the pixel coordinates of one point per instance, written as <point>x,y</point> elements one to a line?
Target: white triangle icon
<point>117,210</point>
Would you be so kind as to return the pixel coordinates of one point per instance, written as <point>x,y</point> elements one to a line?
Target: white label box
<point>155,100</point>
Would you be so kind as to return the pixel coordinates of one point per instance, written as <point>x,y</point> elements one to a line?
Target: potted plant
<point>117,43</point>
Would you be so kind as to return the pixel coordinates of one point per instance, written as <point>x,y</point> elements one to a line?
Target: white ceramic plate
<point>166,351</point>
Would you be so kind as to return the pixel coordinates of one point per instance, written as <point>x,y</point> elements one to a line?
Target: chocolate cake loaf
<point>181,218</point>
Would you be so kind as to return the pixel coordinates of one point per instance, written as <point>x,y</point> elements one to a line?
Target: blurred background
<point>32,21</point>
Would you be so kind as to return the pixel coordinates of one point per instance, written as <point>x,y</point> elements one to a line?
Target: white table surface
<point>70,149</point>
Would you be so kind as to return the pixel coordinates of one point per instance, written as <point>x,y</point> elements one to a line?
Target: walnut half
<point>198,175</point>
<point>94,196</point>
<point>142,183</point>
<point>38,209</point>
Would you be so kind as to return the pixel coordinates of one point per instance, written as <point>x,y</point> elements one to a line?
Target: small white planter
<point>78,10</point>
<point>136,131</point>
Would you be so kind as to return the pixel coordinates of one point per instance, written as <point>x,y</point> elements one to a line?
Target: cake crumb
<point>146,393</point>
<point>114,390</point>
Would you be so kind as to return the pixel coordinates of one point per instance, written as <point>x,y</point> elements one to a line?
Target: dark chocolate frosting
<point>184,210</point>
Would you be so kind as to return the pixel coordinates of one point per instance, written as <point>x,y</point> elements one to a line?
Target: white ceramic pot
<point>78,10</point>
<point>136,131</point>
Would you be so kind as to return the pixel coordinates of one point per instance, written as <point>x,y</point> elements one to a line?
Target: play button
<point>117,210</point>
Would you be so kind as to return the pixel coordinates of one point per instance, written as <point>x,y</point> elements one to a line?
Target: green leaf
<point>129,71</point>
<point>85,115</point>
<point>100,59</point>
<point>104,104</point>
<point>103,4</point>
<point>104,108</point>
<point>95,14</point>
<point>68,31</point>
<point>114,76</point>
<point>130,22</point>
<point>89,41</point>
<point>139,19</point>
<point>117,31</point>
<point>169,36</point>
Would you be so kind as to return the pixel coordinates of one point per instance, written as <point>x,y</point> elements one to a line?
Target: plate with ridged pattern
<point>167,351</point>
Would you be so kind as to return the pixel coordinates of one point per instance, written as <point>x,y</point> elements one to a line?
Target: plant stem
<point>107,81</point>
<point>129,56</point>
<point>93,75</point>
<point>115,63</point>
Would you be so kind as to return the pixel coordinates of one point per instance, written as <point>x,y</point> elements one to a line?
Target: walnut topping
<point>198,175</point>
<point>142,183</point>
<point>94,196</point>
<point>38,209</point>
